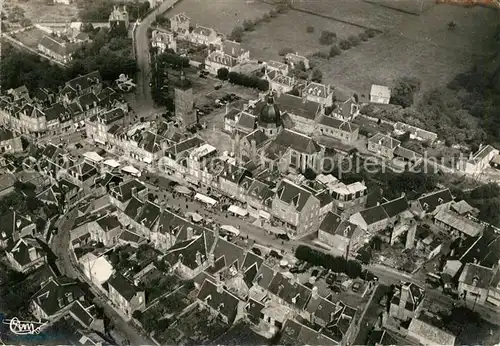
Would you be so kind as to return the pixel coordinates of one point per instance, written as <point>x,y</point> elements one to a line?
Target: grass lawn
<point>39,11</point>
<point>269,37</point>
<point>221,15</point>
<point>422,47</point>
<point>30,37</point>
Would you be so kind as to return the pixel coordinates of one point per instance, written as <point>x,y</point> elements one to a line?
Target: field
<point>410,6</point>
<point>221,15</point>
<point>38,11</point>
<point>422,47</point>
<point>269,37</point>
<point>30,37</point>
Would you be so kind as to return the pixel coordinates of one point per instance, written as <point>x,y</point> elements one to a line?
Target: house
<point>163,39</point>
<point>57,49</point>
<point>415,132</point>
<point>347,110</point>
<point>380,94</point>
<point>175,159</point>
<point>428,335</point>
<point>293,150</point>
<point>26,255</point>
<point>97,269</point>
<point>124,296</point>
<point>302,112</point>
<point>343,131</point>
<point>218,300</point>
<point>371,220</point>
<point>219,59</point>
<point>81,85</point>
<point>432,203</point>
<point>259,197</point>
<point>100,226</point>
<point>229,181</point>
<point>296,208</point>
<point>277,66</point>
<point>474,282</point>
<point>478,161</point>
<point>293,59</point>
<point>406,303</point>
<point>119,19</point>
<point>203,35</point>
<point>349,199</point>
<point>279,83</point>
<point>120,195</point>
<point>319,93</point>
<point>189,257</point>
<point>383,145</point>
<point>15,226</point>
<point>289,292</point>
<point>343,236</point>
<point>457,225</point>
<point>198,164</point>
<point>180,23</point>
<point>235,50</point>
<point>10,143</point>
<point>55,298</point>
<point>463,208</point>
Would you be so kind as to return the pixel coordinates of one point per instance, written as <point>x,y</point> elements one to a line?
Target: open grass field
<point>38,11</point>
<point>221,15</point>
<point>269,37</point>
<point>30,37</point>
<point>421,46</point>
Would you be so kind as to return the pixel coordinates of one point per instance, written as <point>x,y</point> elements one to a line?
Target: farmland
<point>269,37</point>
<point>30,37</point>
<point>421,47</point>
<point>221,15</point>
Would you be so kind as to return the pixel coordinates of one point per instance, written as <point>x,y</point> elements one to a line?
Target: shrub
<point>248,25</point>
<point>354,40</point>
<point>316,76</point>
<point>248,81</point>
<point>222,73</point>
<point>321,55</point>
<point>237,34</point>
<point>344,44</point>
<point>284,51</point>
<point>266,17</point>
<point>327,37</point>
<point>363,36</point>
<point>273,13</point>
<point>370,32</point>
<point>310,29</point>
<point>334,51</point>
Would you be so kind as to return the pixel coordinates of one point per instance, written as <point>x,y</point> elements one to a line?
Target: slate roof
<point>5,134</point>
<point>124,287</point>
<point>221,300</point>
<point>459,223</point>
<point>191,253</point>
<point>330,223</point>
<point>232,253</point>
<point>10,221</point>
<point>296,141</point>
<point>293,293</point>
<point>264,276</point>
<point>477,275</point>
<point>298,106</point>
<point>430,202</point>
<point>85,81</point>
<point>56,294</point>
<point>384,140</point>
<point>396,206</point>
<point>337,124</point>
<point>484,249</point>
<point>20,250</point>
<point>123,192</point>
<point>81,312</point>
<point>191,143</point>
<point>293,194</point>
<point>374,214</point>
<point>57,45</point>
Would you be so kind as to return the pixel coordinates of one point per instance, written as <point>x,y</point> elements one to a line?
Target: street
<point>67,265</point>
<point>144,100</point>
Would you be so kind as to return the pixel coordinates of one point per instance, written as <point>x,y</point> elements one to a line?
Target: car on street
<point>283,236</point>
<point>217,86</point>
<point>356,286</point>
<point>256,251</point>
<point>336,289</point>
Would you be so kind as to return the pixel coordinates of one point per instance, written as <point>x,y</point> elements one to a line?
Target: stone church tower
<point>185,113</point>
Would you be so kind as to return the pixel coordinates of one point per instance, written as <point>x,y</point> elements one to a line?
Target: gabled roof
<point>57,45</point>
<point>396,206</point>
<point>85,81</point>
<point>20,250</point>
<point>185,145</point>
<point>233,173</point>
<point>265,276</point>
<point>219,299</point>
<point>430,333</point>
<point>56,294</point>
<point>384,140</point>
<point>293,293</point>
<point>298,106</point>
<point>337,124</point>
<point>191,253</point>
<point>374,214</point>
<point>258,136</point>
<point>380,91</point>
<point>232,253</point>
<point>81,312</point>
<point>124,287</point>
<point>330,223</point>
<point>477,275</point>
<point>316,89</point>
<point>124,191</point>
<point>13,221</point>
<point>203,30</point>
<point>293,194</point>
<point>296,141</point>
<point>459,223</point>
<point>431,201</point>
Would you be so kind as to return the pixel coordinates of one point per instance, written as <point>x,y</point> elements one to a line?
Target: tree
<point>327,37</point>
<point>310,29</point>
<point>286,50</point>
<point>317,76</point>
<point>222,73</point>
<point>370,32</point>
<point>87,27</point>
<point>309,174</point>
<point>334,51</point>
<point>237,34</point>
<point>354,40</point>
<point>452,25</point>
<point>345,44</point>
<point>403,93</point>
<point>248,25</point>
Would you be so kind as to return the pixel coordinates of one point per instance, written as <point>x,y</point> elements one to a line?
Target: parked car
<point>283,236</point>
<point>330,279</point>
<point>336,289</point>
<point>315,272</point>
<point>217,86</point>
<point>257,251</point>
<point>356,286</point>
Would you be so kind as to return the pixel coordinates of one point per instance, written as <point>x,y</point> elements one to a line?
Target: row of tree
<point>336,264</point>
<point>243,79</point>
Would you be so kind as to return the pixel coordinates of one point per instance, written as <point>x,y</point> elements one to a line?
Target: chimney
<point>61,302</point>
<point>475,281</point>
<point>69,296</point>
<point>405,293</point>
<point>403,194</point>
<point>254,150</point>
<point>32,253</point>
<point>18,223</point>
<point>314,292</point>
<point>134,191</point>
<point>470,156</point>
<point>378,203</point>
<point>198,258</point>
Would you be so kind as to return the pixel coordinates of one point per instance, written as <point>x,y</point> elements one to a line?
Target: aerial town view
<point>250,172</point>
